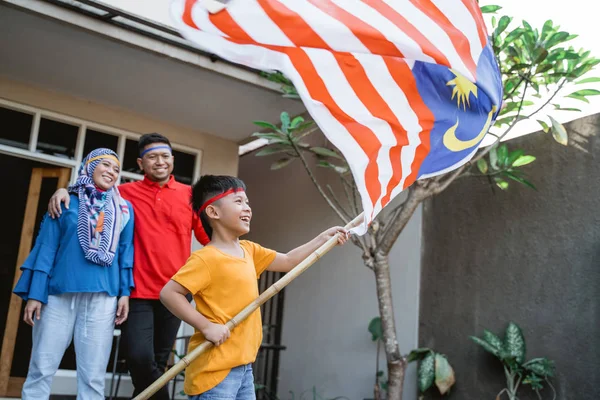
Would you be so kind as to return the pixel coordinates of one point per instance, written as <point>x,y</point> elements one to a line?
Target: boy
<point>222,277</point>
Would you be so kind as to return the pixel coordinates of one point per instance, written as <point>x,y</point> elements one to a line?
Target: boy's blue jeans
<point>237,385</point>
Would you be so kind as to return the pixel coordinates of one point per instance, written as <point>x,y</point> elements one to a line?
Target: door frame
<point>11,386</point>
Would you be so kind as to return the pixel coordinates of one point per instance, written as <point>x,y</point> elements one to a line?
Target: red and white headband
<point>204,239</point>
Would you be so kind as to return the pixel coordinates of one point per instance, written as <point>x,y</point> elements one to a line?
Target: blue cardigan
<point>57,263</point>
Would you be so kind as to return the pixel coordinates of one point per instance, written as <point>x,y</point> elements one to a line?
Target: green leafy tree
<point>537,66</point>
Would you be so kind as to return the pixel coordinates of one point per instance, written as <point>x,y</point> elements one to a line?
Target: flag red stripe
<point>409,29</point>
<point>365,137</point>
<point>368,35</point>
<point>226,24</point>
<point>378,107</point>
<point>475,12</point>
<point>187,14</point>
<point>459,40</point>
<point>292,25</point>
<point>300,31</point>
<point>404,78</point>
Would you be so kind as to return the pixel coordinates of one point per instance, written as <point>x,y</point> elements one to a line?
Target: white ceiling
<point>65,58</point>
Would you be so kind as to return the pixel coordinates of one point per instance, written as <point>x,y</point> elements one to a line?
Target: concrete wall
<point>328,308</point>
<point>531,257</point>
<point>219,155</point>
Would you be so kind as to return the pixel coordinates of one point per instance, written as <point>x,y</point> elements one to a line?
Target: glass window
<point>57,138</point>
<point>128,180</point>
<point>15,128</point>
<point>130,157</point>
<point>95,140</point>
<point>184,167</point>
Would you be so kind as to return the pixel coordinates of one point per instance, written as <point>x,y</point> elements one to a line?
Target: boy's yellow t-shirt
<point>222,286</point>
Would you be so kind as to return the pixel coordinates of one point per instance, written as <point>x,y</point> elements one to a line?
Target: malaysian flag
<point>405,89</point>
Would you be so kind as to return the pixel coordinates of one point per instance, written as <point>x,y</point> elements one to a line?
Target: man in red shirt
<point>163,227</point>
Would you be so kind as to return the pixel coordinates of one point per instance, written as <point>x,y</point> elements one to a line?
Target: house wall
<point>532,257</point>
<point>219,155</point>
<point>327,309</point>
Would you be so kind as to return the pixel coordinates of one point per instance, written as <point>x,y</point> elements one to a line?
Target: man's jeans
<point>149,335</point>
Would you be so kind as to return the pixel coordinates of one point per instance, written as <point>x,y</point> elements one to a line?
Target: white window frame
<point>83,125</point>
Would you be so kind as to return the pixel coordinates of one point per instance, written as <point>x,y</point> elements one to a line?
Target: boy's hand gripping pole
<point>245,313</point>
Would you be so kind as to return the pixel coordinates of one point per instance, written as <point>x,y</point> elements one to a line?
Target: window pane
<point>15,128</point>
<point>57,138</point>
<point>130,157</point>
<point>128,180</point>
<point>184,167</point>
<point>95,140</point>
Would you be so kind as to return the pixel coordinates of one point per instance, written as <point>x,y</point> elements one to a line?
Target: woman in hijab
<point>77,280</point>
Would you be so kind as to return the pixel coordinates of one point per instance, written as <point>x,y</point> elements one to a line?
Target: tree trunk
<point>396,364</point>
<point>415,196</point>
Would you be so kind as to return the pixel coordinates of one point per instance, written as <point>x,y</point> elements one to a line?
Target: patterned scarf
<point>102,215</point>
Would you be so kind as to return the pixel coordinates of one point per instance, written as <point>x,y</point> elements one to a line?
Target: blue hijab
<point>102,215</point>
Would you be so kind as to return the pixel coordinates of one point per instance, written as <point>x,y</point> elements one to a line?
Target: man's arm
<point>60,196</point>
<point>285,262</point>
<point>173,298</point>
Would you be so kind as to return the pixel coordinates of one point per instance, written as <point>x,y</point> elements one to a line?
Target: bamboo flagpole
<point>245,313</point>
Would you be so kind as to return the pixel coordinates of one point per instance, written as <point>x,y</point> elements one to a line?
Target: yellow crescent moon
<point>454,144</point>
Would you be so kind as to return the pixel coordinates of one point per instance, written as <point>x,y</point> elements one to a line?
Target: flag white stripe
<point>384,83</point>
<point>405,44</point>
<point>459,15</point>
<point>338,134</point>
<point>337,35</point>
<point>432,32</point>
<point>378,74</point>
<point>250,55</point>
<point>344,96</point>
<point>200,18</point>
<point>253,19</point>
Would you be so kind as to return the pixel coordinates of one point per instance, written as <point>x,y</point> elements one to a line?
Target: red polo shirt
<point>163,227</point>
